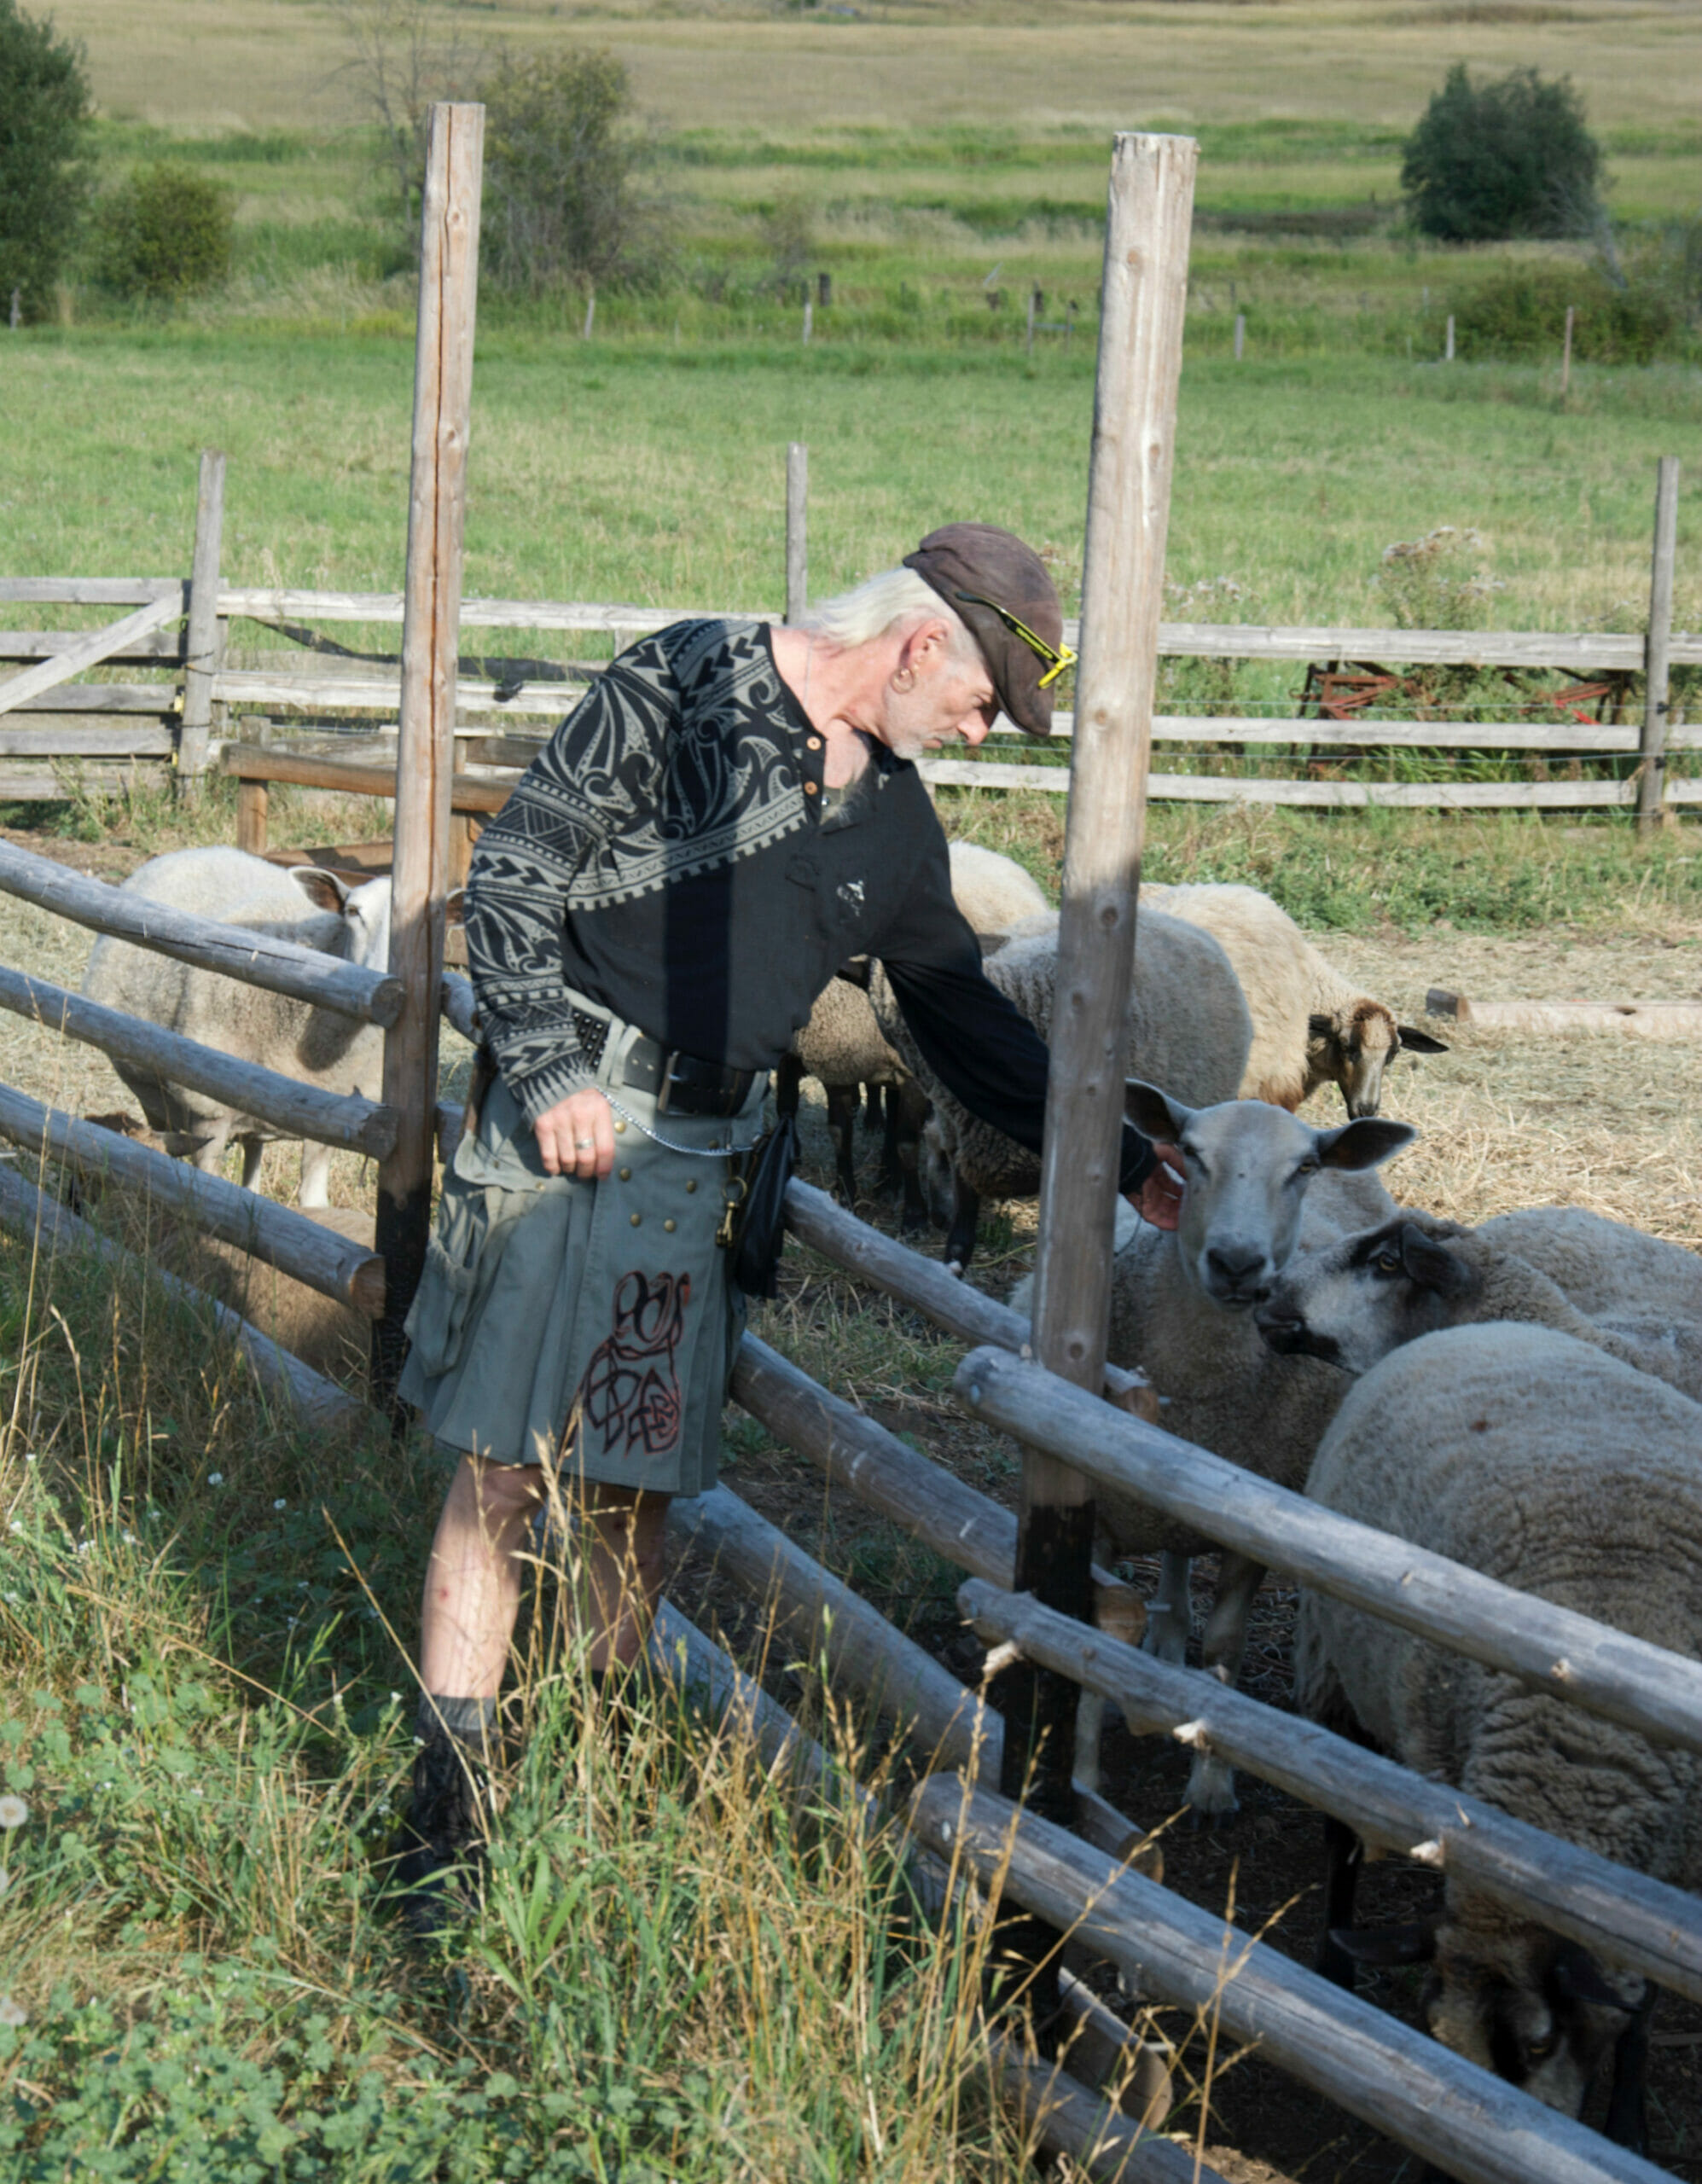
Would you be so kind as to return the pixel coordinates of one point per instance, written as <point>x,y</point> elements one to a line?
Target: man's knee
<point>500,1491</point>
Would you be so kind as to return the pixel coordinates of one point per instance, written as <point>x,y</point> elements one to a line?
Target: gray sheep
<point>1353,1302</point>
<point>1188,1029</point>
<point>319,1046</point>
<point>1553,1468</point>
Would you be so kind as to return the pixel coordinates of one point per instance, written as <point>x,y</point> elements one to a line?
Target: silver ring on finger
<point>584,1144</point>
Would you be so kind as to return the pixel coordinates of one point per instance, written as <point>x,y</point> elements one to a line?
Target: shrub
<point>44,166</point>
<point>561,156</point>
<point>1436,581</point>
<point>1521,311</point>
<point>1511,158</point>
<point>167,234</point>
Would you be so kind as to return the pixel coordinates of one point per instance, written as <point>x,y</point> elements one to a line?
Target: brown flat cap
<point>992,580</point>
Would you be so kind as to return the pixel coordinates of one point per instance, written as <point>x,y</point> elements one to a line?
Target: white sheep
<point>1353,1302</point>
<point>842,1048</point>
<point>1258,1184</point>
<point>1311,1027</point>
<point>1187,1025</point>
<point>319,1046</point>
<point>1555,1468</point>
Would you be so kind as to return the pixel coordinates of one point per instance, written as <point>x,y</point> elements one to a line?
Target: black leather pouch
<point>760,1234</point>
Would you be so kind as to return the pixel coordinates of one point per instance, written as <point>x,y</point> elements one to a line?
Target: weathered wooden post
<point>1143,299</point>
<point>431,631</point>
<point>797,531</point>
<point>1566,352</point>
<point>1448,354</point>
<point>204,639</point>
<point>1240,333</point>
<point>1651,747</point>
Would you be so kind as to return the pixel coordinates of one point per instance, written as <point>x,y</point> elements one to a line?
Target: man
<point>729,815</point>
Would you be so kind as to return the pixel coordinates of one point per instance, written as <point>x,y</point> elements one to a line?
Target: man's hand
<point>576,1136</point>
<point>1159,1197</point>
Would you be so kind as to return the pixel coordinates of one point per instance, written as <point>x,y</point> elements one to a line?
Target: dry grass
<point>253,63</point>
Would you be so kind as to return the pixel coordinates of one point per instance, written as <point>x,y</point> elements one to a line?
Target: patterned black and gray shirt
<point>672,854</point>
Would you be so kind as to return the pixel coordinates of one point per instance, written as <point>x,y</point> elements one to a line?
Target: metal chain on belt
<point>667,1144</point>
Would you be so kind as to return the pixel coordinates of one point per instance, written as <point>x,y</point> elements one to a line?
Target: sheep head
<point>1353,1045</point>
<point>1247,1167</point>
<point>1354,1301</point>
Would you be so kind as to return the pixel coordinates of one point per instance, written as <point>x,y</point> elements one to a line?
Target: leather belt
<point>681,1083</point>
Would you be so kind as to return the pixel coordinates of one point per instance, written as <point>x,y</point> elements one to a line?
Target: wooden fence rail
<point>1550,1648</point>
<point>1478,2129</point>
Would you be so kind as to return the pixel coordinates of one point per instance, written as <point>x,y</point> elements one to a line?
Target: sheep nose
<point>1234,1263</point>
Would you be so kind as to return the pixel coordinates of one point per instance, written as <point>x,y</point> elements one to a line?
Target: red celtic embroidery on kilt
<point>631,1393</point>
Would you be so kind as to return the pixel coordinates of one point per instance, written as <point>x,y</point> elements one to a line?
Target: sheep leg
<point>788,1080</point>
<point>908,1104</point>
<point>1627,2122</point>
<point>253,1151</point>
<point>966,1219</point>
<point>843,1101</point>
<point>1211,1782</point>
<point>1343,1859</point>
<point>209,1154</point>
<point>316,1174</point>
<point>891,1169</point>
<point>1170,1614</point>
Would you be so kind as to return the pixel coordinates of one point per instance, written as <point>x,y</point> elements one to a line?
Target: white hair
<point>872,607</point>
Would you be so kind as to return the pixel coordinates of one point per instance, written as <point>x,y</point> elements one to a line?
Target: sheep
<point>842,1047</point>
<point>1353,1302</point>
<point>320,1046</point>
<point>1188,1025</point>
<point>1549,1466</point>
<point>1311,1025</point>
<point>1259,1182</point>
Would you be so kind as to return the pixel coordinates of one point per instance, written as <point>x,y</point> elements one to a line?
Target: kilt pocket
<point>461,1253</point>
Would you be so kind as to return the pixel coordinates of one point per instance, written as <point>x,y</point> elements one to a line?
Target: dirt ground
<point>1606,1121</point>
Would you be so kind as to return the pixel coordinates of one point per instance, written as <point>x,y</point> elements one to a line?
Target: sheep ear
<point>1420,1043</point>
<point>1387,1945</point>
<point>1323,1027</point>
<point>1366,1143</point>
<point>1155,1113</point>
<point>1433,1267</point>
<point>1579,1978</point>
<point>321,888</point>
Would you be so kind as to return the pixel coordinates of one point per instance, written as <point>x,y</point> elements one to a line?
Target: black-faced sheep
<point>1553,1468</point>
<point>1311,1027</point>
<point>1351,1303</point>
<point>320,1046</point>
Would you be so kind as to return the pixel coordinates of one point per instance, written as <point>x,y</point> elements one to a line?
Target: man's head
<point>948,655</point>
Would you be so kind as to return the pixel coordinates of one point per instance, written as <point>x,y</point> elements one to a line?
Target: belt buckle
<point>665,1077</point>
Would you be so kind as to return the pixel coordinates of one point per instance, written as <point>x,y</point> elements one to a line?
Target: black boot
<point>443,1832</point>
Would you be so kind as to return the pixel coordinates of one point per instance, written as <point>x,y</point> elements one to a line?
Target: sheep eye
<point>1386,1262</point>
<point>1539,2051</point>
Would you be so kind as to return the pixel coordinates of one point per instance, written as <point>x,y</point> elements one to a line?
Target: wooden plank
<point>157,700</point>
<point>963,1526</point>
<point>24,783</point>
<point>283,1238</point>
<point>90,591</point>
<point>832,1626</point>
<point>203,638</point>
<point>256,959</point>
<point>350,690</point>
<point>118,739</point>
<point>163,649</point>
<point>1476,2127</point>
<point>1551,1648</point>
<point>298,1110</point>
<point>1412,796</point>
<point>252,800</point>
<point>1069,2119</point>
<point>1571,735</point>
<point>1143,299</point>
<point>1658,652</point>
<point>425,762</point>
<point>1413,647</point>
<point>1632,1921</point>
<point>93,649</point>
<point>459,1007</point>
<point>250,762</point>
<point>945,1298</point>
<point>1642,1020</point>
<point>29,1213</point>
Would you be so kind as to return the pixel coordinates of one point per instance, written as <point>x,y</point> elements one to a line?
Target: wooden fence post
<point>431,630</point>
<point>1448,354</point>
<point>1240,333</point>
<point>1566,352</point>
<point>1142,303</point>
<point>797,531</point>
<point>1652,781</point>
<point>204,639</point>
<point>1033,310</point>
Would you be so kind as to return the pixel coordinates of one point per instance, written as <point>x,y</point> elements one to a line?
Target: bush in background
<point>562,153</point>
<point>45,172</point>
<point>167,234</point>
<point>1494,160</point>
<point>1520,311</point>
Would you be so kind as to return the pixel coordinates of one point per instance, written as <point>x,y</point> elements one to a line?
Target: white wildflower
<point>13,1812</point>
<point>215,1479</point>
<point>11,2013</point>
<point>280,1503</point>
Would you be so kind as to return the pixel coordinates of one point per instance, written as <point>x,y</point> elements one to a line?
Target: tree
<point>1510,158</point>
<point>561,156</point>
<point>45,169</point>
<point>167,234</point>
<point>400,62</point>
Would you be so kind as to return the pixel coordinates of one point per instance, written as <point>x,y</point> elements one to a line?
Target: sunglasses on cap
<point>1057,658</point>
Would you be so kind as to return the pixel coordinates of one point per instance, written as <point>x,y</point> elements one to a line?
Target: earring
<point>904,678</point>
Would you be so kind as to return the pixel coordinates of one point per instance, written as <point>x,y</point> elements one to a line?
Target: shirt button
<point>813,743</point>
<point>620,1126</point>
<point>669,1226</point>
<point>626,1175</point>
<point>692,1185</point>
<point>808,788</point>
<point>636,1219</point>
